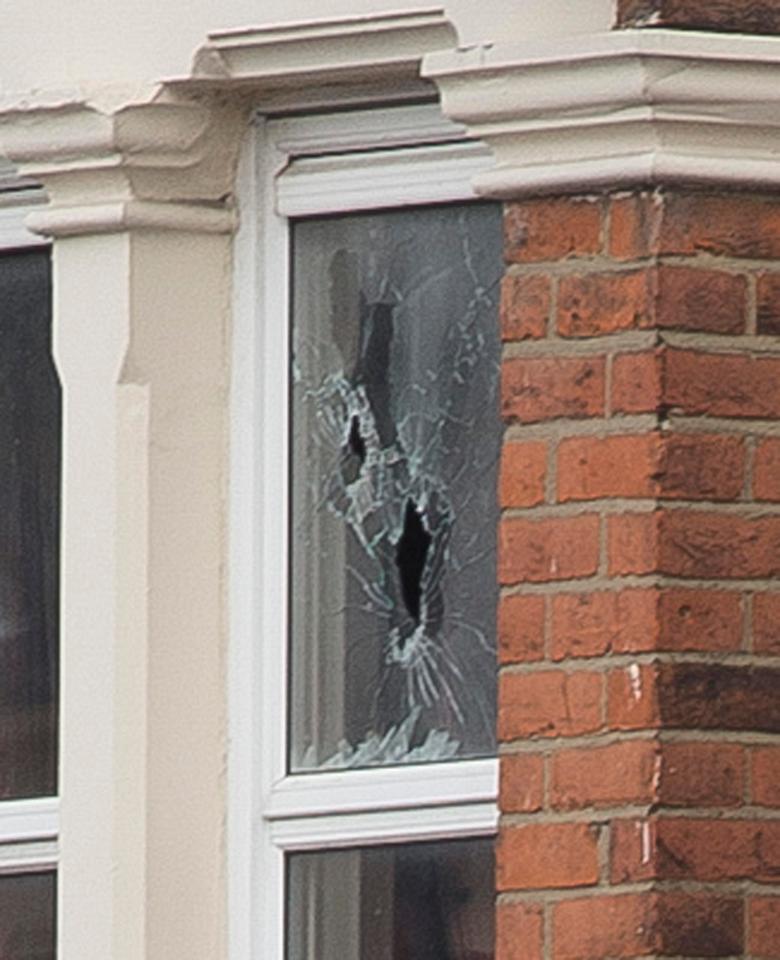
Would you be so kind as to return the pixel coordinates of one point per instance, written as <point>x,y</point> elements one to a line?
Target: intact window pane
<point>395,445</point>
<point>27,924</point>
<point>29,529</point>
<point>426,901</point>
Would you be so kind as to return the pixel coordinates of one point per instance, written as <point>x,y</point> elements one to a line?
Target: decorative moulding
<point>161,162</point>
<point>325,63</point>
<point>618,109</point>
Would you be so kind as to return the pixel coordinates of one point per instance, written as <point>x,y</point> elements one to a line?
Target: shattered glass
<point>395,445</point>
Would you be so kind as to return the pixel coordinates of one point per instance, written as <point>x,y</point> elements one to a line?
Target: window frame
<point>290,167</point>
<point>29,827</point>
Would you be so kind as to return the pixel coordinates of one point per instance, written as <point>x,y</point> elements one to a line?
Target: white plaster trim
<point>616,109</point>
<point>36,857</point>
<point>369,58</point>
<point>324,134</point>
<point>22,820</point>
<point>385,788</point>
<point>354,181</point>
<point>118,217</point>
<point>15,206</point>
<point>401,826</point>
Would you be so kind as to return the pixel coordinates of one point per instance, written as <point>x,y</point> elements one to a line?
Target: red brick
<point>729,224</point>
<point>768,305</point>
<point>519,931</point>
<point>633,543</point>
<point>766,471</point>
<point>716,696</point>
<point>694,543</point>
<point>545,855</point>
<point>766,624</point>
<point>620,773</point>
<point>633,850</point>
<point>592,624</point>
<point>637,382</point>
<point>559,548</point>
<point>718,546</point>
<point>695,383</point>
<point>698,466</point>
<point>700,925</point>
<point>643,924</point>
<point>682,298</point>
<point>520,629</point>
<point>672,466</point>
<point>707,850</point>
<point>525,306</point>
<point>728,16</point>
<point>592,928</point>
<point>632,698</point>
<point>548,703</point>
<point>523,470</point>
<point>590,468</point>
<point>708,621</point>
<point>635,223</point>
<point>723,385</point>
<point>764,928</point>
<point>765,775</point>
<point>534,389</point>
<point>701,774</point>
<point>710,301</point>
<point>521,783</point>
<point>644,620</point>
<point>599,303</point>
<point>537,230</point>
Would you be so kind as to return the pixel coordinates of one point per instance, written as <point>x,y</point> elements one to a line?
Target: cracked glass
<point>395,444</point>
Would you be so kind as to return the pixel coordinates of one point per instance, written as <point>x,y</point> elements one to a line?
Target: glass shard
<point>395,444</point>
<point>425,901</point>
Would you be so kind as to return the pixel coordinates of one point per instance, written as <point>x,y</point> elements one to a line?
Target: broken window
<point>395,443</point>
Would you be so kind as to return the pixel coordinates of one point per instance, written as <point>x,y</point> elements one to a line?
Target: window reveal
<point>394,452</point>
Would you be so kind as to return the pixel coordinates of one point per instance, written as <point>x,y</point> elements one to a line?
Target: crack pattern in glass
<point>395,445</point>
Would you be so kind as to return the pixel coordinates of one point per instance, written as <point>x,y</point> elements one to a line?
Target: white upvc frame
<point>404,156</point>
<point>28,828</point>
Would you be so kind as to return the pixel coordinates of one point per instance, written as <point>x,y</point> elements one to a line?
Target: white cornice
<point>374,58</point>
<point>618,109</point>
<point>158,162</point>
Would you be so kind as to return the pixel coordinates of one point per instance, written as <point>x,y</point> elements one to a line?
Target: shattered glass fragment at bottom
<point>395,445</point>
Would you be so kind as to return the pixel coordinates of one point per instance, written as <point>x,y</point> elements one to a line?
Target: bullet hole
<point>356,442</point>
<point>410,556</point>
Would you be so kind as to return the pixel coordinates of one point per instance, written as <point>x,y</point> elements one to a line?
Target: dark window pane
<point>29,529</point>
<point>27,910</point>
<point>395,443</point>
<point>425,901</point>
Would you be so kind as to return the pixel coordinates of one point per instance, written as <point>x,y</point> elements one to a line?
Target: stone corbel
<point>157,161</point>
<point>619,109</point>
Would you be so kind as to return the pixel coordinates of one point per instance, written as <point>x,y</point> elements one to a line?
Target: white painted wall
<point>62,43</point>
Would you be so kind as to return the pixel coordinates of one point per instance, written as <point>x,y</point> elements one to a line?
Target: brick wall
<point>737,16</point>
<point>639,560</point>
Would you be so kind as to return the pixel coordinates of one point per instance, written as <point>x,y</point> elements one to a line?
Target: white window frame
<point>342,162</point>
<point>28,828</point>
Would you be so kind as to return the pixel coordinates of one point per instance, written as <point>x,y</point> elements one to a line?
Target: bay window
<point>365,448</point>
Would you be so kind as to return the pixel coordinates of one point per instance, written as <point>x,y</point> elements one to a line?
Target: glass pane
<point>395,444</point>
<point>27,926</point>
<point>29,529</point>
<point>425,901</point>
